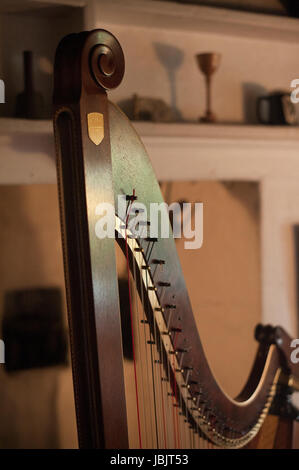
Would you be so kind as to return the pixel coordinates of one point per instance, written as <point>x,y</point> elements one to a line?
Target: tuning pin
<point>131,197</point>
<point>176,330</point>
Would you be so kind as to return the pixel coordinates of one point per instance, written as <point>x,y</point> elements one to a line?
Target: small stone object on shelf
<point>152,109</point>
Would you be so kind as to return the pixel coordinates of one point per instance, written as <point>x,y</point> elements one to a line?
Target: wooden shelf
<point>234,131</point>
<point>177,151</point>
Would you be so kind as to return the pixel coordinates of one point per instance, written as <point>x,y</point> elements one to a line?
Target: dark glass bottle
<point>29,103</point>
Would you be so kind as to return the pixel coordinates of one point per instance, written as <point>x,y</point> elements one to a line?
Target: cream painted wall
<point>36,406</point>
<point>248,67</point>
<point>223,277</point>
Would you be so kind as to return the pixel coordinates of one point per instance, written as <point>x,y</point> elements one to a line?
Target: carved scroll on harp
<point>178,402</point>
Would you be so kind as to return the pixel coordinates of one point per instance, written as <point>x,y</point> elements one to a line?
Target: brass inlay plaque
<point>95,124</point>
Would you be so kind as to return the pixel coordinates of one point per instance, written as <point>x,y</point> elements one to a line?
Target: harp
<point>166,395</point>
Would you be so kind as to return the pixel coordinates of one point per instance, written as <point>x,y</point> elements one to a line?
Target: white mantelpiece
<point>177,151</point>
<point>225,152</point>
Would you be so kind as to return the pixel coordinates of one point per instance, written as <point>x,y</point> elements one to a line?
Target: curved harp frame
<point>94,169</point>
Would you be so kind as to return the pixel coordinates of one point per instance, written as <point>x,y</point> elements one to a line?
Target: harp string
<point>160,366</point>
<point>152,344</point>
<point>132,324</point>
<point>162,394</point>
<point>170,423</point>
<point>170,391</point>
<point>145,346</point>
<point>176,398</point>
<point>159,370</point>
<point>139,349</point>
<point>175,430</point>
<point>156,357</point>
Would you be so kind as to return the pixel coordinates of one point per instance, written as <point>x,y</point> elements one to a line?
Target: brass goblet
<point>208,63</point>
